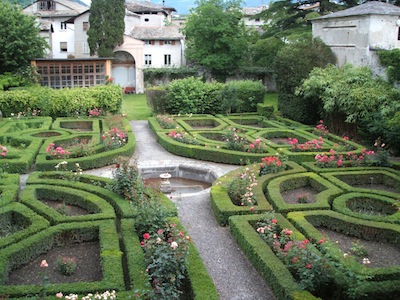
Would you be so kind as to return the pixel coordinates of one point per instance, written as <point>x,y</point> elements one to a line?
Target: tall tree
<point>216,36</point>
<point>19,39</point>
<point>107,26</point>
<point>291,17</point>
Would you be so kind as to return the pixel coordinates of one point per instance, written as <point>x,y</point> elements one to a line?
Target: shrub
<point>241,188</point>
<point>63,102</point>
<point>301,257</point>
<point>242,96</point>
<point>156,98</point>
<point>165,254</point>
<point>270,164</point>
<point>66,265</point>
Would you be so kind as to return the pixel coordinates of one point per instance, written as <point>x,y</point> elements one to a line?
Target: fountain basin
<point>184,178</point>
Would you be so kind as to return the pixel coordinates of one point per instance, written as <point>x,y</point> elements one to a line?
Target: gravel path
<point>233,275</point>
<point>231,271</point>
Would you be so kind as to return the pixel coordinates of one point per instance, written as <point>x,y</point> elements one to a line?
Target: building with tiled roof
<point>151,40</point>
<point>354,34</point>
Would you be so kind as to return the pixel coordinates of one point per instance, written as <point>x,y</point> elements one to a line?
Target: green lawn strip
<point>135,107</point>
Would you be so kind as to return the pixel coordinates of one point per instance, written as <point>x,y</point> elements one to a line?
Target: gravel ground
<point>234,276</point>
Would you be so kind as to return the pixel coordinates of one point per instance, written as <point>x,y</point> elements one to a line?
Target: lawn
<point>271,99</point>
<point>135,107</point>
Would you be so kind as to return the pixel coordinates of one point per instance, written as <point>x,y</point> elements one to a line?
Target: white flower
<point>174,245</point>
<point>366,261</point>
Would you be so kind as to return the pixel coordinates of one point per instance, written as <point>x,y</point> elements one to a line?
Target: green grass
<point>271,99</point>
<point>135,107</point>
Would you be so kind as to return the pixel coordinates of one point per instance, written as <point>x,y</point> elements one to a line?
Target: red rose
<point>146,236</point>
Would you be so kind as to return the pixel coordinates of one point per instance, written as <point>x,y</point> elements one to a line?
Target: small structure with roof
<point>356,33</point>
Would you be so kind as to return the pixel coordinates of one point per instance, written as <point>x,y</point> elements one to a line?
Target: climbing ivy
<point>390,59</point>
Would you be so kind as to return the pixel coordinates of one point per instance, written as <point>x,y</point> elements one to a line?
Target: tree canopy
<point>216,36</point>
<point>19,39</point>
<point>347,93</point>
<point>106,26</point>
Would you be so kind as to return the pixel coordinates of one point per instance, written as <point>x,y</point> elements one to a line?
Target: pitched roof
<point>252,11</point>
<point>368,8</point>
<point>72,9</point>
<point>147,6</point>
<point>156,33</point>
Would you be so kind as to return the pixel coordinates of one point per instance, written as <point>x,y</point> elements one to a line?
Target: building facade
<point>355,34</point>
<point>150,40</point>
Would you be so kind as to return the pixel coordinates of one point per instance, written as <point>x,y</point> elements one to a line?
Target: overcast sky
<point>183,6</point>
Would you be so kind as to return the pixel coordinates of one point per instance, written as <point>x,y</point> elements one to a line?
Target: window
<point>63,26</point>
<point>46,5</point>
<point>85,26</point>
<point>86,49</point>
<point>398,35</point>
<point>146,20</point>
<point>149,42</point>
<point>63,47</point>
<point>147,59</point>
<point>71,74</point>
<point>167,59</point>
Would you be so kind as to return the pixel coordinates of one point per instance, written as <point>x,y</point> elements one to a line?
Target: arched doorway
<point>123,71</point>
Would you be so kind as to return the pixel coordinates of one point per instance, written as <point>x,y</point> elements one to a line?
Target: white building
<point>250,16</point>
<point>52,16</point>
<point>150,40</point>
<point>356,33</point>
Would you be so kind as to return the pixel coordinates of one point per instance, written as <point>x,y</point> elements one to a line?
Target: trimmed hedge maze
<point>41,225</point>
<point>328,203</point>
<point>338,211</point>
<point>27,140</point>
<point>205,137</point>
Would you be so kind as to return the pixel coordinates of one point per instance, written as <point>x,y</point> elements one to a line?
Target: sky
<point>183,6</point>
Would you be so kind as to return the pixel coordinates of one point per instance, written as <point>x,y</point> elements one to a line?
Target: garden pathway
<point>234,276</point>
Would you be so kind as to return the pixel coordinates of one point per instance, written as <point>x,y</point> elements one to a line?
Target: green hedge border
<point>384,281</point>
<point>89,162</point>
<point>97,207</point>
<point>274,192</point>
<point>23,251</point>
<point>334,177</point>
<point>339,204</point>
<point>222,205</point>
<point>274,272</point>
<point>34,222</point>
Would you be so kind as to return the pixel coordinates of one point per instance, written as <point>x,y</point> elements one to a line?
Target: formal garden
<point>316,213</point>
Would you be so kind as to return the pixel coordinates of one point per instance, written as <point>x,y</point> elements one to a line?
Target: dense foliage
<point>216,36</point>
<point>390,59</point>
<point>20,41</point>
<point>61,103</point>
<point>155,76</point>
<point>352,99</point>
<point>106,26</point>
<point>193,96</point>
<point>292,65</point>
